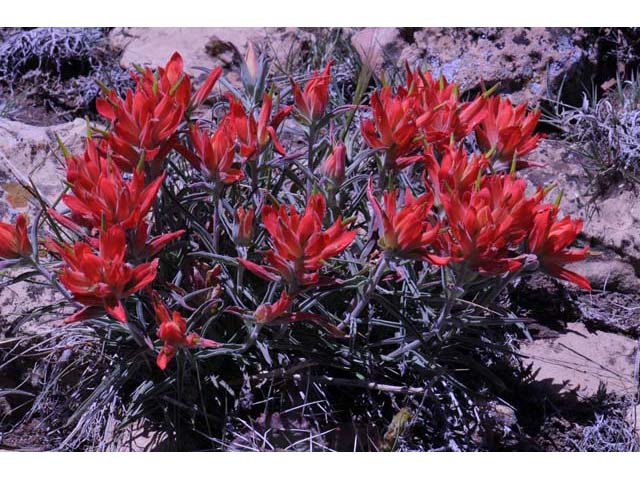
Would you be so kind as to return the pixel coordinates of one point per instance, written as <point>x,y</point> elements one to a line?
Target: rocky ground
<point>584,348</point>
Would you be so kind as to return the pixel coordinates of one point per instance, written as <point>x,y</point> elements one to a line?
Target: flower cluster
<point>225,216</point>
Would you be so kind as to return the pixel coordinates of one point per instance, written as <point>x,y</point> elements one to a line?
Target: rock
<point>612,311</point>
<point>611,221</point>
<point>203,48</point>
<point>616,223</point>
<point>577,361</point>
<point>138,436</point>
<point>377,46</point>
<point>608,273</point>
<point>29,151</point>
<point>527,62</point>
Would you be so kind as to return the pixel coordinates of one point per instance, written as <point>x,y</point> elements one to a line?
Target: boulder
<point>611,220</point>
<point>204,48</point>
<point>27,151</point>
<point>529,63</point>
<point>32,152</point>
<point>578,361</point>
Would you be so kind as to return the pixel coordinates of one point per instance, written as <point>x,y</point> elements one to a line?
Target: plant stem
<point>310,163</point>
<point>366,297</point>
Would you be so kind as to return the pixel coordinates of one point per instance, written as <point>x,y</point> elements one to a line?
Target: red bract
<point>508,132</point>
<point>300,245</point>
<point>278,314</point>
<point>392,128</point>
<point>456,171</point>
<point>83,171</point>
<point>487,224</point>
<point>441,115</point>
<point>102,279</point>
<point>143,124</point>
<point>312,102</point>
<point>549,240</point>
<point>450,121</point>
<point>254,136</point>
<point>243,229</point>
<point>172,331</point>
<point>110,200</point>
<point>409,231</point>
<point>334,165</point>
<point>268,313</point>
<point>14,239</point>
<point>215,154</point>
<point>144,246</point>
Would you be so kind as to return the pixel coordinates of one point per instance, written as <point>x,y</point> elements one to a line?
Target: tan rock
<point>28,151</point>
<point>612,222</point>
<point>377,46</point>
<point>201,47</point>
<point>579,361</point>
<point>138,437</point>
<point>527,62</point>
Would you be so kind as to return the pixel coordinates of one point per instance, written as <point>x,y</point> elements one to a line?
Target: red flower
<point>334,165</point>
<point>215,154</point>
<point>172,331</point>
<point>549,240</point>
<point>407,232</point>
<point>456,171</point>
<point>14,239</point>
<point>108,199</point>
<point>145,121</point>
<point>508,131</point>
<point>268,313</point>
<point>254,136</point>
<point>450,120</point>
<point>243,232</point>
<point>487,224</point>
<point>102,279</point>
<point>392,128</point>
<point>143,246</point>
<point>278,314</point>
<point>312,102</point>
<point>442,116</point>
<point>300,246</point>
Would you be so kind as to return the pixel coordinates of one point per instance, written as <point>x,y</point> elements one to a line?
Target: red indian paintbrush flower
<point>312,101</point>
<point>441,115</point>
<point>549,240</point>
<point>300,245</point>
<point>110,200</point>
<point>14,239</point>
<point>508,132</point>
<point>254,136</point>
<point>144,123</point>
<point>172,331</point>
<point>409,231</point>
<point>215,154</point>
<point>279,313</point>
<point>451,120</point>
<point>456,171</point>
<point>488,223</point>
<point>243,229</point>
<point>102,279</point>
<point>334,165</point>
<point>392,128</point>
<point>145,246</point>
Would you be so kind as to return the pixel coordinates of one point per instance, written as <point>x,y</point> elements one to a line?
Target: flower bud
<point>244,226</point>
<point>334,164</point>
